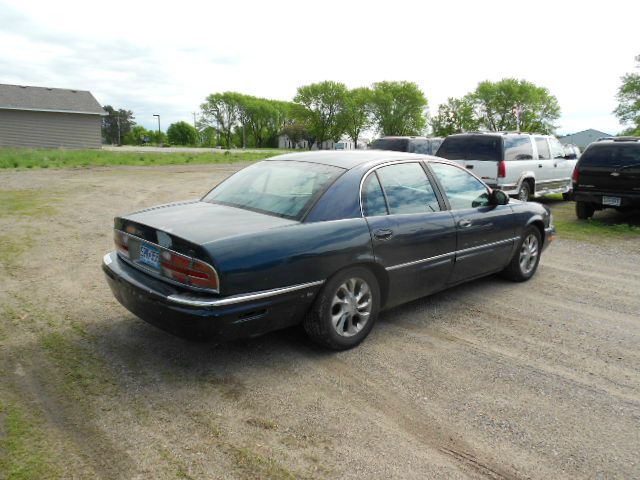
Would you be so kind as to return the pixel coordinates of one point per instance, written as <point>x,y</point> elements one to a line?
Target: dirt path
<point>490,380</point>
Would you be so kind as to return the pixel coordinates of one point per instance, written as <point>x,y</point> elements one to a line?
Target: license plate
<point>613,201</point>
<point>149,256</point>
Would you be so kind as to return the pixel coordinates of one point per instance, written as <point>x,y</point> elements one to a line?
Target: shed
<point>583,138</point>
<point>41,117</point>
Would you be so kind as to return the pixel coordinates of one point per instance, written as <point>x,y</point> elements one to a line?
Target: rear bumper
<point>206,317</point>
<point>631,200</point>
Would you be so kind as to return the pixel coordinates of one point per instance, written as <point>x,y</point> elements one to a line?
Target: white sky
<point>166,57</point>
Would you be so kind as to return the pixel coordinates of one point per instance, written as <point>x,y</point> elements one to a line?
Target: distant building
<point>42,117</point>
<point>584,138</point>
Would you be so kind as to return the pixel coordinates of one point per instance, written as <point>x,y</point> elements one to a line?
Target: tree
<point>137,136</point>
<point>494,102</point>
<point>628,110</point>
<point>455,116</point>
<point>356,115</point>
<point>296,133</point>
<point>116,124</point>
<point>398,108</point>
<point>221,112</point>
<point>321,106</point>
<point>182,133</point>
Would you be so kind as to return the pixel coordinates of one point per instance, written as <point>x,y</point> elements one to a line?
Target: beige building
<point>40,117</point>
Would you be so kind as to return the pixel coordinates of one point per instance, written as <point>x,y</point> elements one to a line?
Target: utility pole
<point>118,121</point>
<point>194,120</point>
<point>159,132</point>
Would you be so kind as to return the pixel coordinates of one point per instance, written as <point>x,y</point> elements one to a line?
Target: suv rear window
<point>395,144</point>
<point>517,148</point>
<point>615,155</point>
<point>471,147</point>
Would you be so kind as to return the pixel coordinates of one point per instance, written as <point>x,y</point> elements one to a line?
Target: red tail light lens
<point>121,240</point>
<point>502,169</point>
<point>576,175</point>
<point>188,271</point>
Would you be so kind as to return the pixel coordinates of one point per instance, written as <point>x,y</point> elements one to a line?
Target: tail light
<point>502,169</point>
<point>121,240</point>
<point>576,174</point>
<point>188,270</point>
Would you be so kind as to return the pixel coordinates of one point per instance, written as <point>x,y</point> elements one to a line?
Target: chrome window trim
<point>154,274</point>
<point>241,298</point>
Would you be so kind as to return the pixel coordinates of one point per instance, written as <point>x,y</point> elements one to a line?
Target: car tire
<point>584,210</point>
<point>525,191</point>
<point>345,310</point>
<point>525,261</point>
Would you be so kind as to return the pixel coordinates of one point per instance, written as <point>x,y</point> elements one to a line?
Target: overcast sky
<point>152,57</point>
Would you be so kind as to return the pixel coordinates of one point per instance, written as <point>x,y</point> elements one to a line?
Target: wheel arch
<point>378,271</point>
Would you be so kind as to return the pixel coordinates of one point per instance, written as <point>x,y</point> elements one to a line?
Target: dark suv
<point>608,176</point>
<point>426,145</point>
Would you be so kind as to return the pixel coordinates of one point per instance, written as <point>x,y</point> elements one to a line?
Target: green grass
<point>251,465</point>
<point>26,203</point>
<point>23,448</point>
<point>11,248</point>
<point>45,158</point>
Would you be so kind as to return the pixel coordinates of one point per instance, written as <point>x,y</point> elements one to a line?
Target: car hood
<point>203,222</point>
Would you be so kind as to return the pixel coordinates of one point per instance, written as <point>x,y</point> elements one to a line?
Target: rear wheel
<point>584,210</point>
<point>525,262</point>
<point>346,309</point>
<point>525,191</point>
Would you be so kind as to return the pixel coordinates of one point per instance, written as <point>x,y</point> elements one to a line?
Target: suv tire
<point>525,191</point>
<point>584,210</point>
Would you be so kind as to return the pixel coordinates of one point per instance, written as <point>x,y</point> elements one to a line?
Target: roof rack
<point>619,139</point>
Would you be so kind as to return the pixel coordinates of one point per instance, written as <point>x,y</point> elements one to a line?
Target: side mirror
<point>498,197</point>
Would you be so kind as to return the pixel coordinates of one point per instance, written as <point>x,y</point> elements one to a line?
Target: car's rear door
<point>413,235</point>
<point>485,232</point>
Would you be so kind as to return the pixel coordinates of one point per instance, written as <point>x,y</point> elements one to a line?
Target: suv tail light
<point>502,169</point>
<point>576,174</point>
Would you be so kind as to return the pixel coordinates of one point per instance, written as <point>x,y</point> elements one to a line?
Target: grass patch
<point>11,247</point>
<point>263,423</point>
<point>23,448</point>
<point>59,158</point>
<point>26,203</point>
<point>251,465</point>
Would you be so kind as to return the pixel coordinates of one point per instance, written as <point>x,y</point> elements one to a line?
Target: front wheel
<point>345,310</point>
<point>525,262</point>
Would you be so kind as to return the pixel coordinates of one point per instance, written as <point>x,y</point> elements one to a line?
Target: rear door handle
<point>539,165</point>
<point>470,167</point>
<point>464,223</point>
<point>383,234</point>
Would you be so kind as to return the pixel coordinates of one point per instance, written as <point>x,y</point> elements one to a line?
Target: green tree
<point>182,133</point>
<point>116,124</point>
<point>296,132</point>
<point>209,137</point>
<point>455,116</point>
<point>321,105</point>
<point>398,108</point>
<point>494,102</point>
<point>356,115</point>
<point>137,136</point>
<point>628,110</point>
<point>221,112</point>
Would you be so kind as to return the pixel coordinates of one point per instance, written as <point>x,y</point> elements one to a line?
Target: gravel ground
<point>487,380</point>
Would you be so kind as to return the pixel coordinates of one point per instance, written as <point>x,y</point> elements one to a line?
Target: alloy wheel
<point>529,254</point>
<point>351,307</point>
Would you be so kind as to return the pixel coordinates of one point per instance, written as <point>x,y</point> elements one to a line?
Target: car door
<point>485,232</point>
<point>413,235</point>
<point>562,167</point>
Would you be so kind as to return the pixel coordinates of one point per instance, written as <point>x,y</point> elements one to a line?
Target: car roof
<point>349,158</point>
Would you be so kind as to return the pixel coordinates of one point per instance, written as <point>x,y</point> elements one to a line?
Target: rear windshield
<point>471,147</point>
<point>395,144</point>
<point>284,189</point>
<point>614,155</point>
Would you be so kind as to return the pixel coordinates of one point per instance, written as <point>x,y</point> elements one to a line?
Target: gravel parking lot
<point>487,380</point>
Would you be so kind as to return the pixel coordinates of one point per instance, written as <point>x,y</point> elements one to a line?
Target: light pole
<point>159,132</point>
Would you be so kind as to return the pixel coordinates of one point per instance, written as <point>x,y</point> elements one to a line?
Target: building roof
<point>42,99</point>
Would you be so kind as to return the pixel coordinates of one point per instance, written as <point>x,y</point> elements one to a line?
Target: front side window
<point>557,150</point>
<point>517,148</point>
<point>462,189</point>
<point>281,188</point>
<point>407,189</point>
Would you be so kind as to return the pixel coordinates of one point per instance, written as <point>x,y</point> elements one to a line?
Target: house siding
<point>49,130</point>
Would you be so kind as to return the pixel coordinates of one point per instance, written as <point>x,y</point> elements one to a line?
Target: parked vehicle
<point>608,176</point>
<point>571,151</point>
<point>325,238</point>
<point>522,165</point>
<point>425,145</point>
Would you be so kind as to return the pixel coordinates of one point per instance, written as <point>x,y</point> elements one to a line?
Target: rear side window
<point>395,144</point>
<point>471,147</point>
<point>373,203</point>
<point>407,189</point>
<point>419,146</point>
<point>517,148</point>
<point>543,148</point>
<point>611,155</point>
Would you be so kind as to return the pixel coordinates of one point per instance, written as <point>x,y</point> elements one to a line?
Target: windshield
<point>395,144</point>
<point>280,188</point>
<point>614,155</point>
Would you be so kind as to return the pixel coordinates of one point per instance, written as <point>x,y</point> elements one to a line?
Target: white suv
<point>523,165</point>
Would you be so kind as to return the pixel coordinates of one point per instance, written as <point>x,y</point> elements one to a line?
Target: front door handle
<point>464,223</point>
<point>470,167</point>
<point>383,234</point>
<point>539,165</point>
